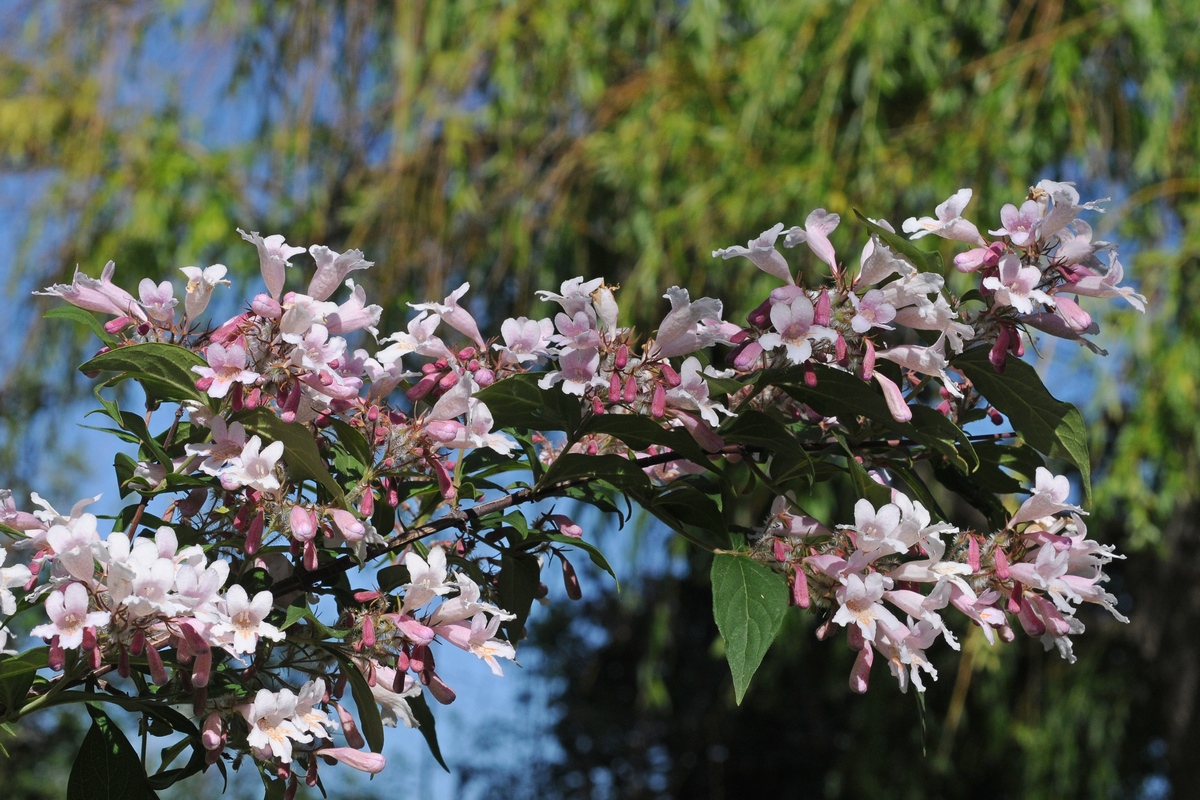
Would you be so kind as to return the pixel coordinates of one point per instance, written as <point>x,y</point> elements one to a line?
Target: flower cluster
<point>295,456</point>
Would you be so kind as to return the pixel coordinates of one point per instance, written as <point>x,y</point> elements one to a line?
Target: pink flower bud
<point>800,596</point>
<point>485,377</point>
<point>840,350</point>
<point>349,727</point>
<point>1001,562</point>
<point>422,388</point>
<point>658,406</point>
<point>366,505</point>
<point>367,596</point>
<point>89,638</point>
<point>861,672</point>
<point>571,581</point>
<point>352,529</point>
<point>822,312</point>
<point>123,662</point>
<point>868,362</point>
<point>440,691</point>
<point>622,357</point>
<point>402,665</point>
<point>1014,598</point>
<point>254,534</point>
<point>368,634</point>
<point>57,656</point>
<point>973,553</point>
<point>630,393</point>
<point>995,416</point>
<point>310,556</point>
<point>567,526</point>
<point>614,388</point>
<point>212,735</point>
<point>670,375</point>
<point>303,523</point>
<point>158,673</point>
<point>138,643</point>
<point>266,307</point>
<point>448,382</point>
<point>372,763</point>
<point>745,356</point>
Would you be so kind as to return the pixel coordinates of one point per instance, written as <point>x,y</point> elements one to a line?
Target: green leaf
<point>17,674</point>
<point>621,472</point>
<point>84,318</point>
<point>518,402</point>
<point>300,452</point>
<point>838,393</point>
<point>163,370</point>
<point>107,767</point>
<point>640,433</point>
<point>690,512</point>
<point>902,246</point>
<point>749,602</point>
<point>369,720</point>
<point>597,557</point>
<point>1045,422</point>
<point>517,584</point>
<point>426,725</point>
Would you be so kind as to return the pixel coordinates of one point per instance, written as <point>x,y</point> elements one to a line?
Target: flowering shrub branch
<point>272,553</point>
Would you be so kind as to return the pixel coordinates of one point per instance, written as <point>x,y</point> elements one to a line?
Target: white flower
<point>243,622</point>
<point>254,468</point>
<point>69,615</point>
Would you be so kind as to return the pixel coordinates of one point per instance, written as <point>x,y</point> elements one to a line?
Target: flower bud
<point>212,734</point>
<point>630,393</point>
<point>158,673</point>
<point>440,691</point>
<point>485,377</point>
<point>254,534</point>
<point>266,307</point>
<point>571,581</point>
<point>349,727</point>
<point>822,311</point>
<point>372,763</point>
<point>800,596</point>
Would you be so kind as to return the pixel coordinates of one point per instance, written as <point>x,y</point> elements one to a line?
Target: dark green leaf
<point>621,472</point>
<point>517,584</point>
<point>426,725</point>
<point>518,402</point>
<point>1048,424</point>
<point>17,674</point>
<point>84,318</point>
<point>107,767</point>
<point>690,512</point>
<point>639,433</point>
<point>368,712</point>
<point>163,370</point>
<point>749,601</point>
<point>839,393</point>
<point>597,557</point>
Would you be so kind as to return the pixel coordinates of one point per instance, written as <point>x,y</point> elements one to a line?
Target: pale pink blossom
<point>200,285</point>
<point>817,228</point>
<point>274,255</point>
<point>100,295</point>
<point>454,315</point>
<point>680,332</point>
<point>872,311</point>
<point>69,615</point>
<point>1016,285</point>
<point>332,269</point>
<point>254,468</point>
<point>272,728</point>
<point>949,223</point>
<point>1020,225</point>
<point>159,301</point>
<point>761,251</point>
<point>244,621</point>
<point>226,366</point>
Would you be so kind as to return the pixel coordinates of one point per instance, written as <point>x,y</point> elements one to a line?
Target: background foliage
<point>517,143</point>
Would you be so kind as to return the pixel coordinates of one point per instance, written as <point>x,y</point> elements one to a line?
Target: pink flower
<point>1020,226</point>
<point>273,257</point>
<point>69,615</point>
<point>1015,285</point>
<point>678,334</point>
<point>454,315</point>
<point>949,223</point>
<point>332,269</point>
<point>817,228</point>
<point>873,311</point>
<point>525,340</point>
<point>201,283</point>
<point>96,295</point>
<point>244,621</point>
<point>253,468</point>
<point>159,301</point>
<point>792,321</point>
<point>226,365</point>
<point>762,253</point>
<point>372,763</point>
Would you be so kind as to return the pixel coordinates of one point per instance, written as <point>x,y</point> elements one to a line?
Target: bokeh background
<point>515,144</point>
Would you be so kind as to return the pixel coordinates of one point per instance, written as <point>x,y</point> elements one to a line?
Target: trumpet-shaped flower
<point>69,615</point>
